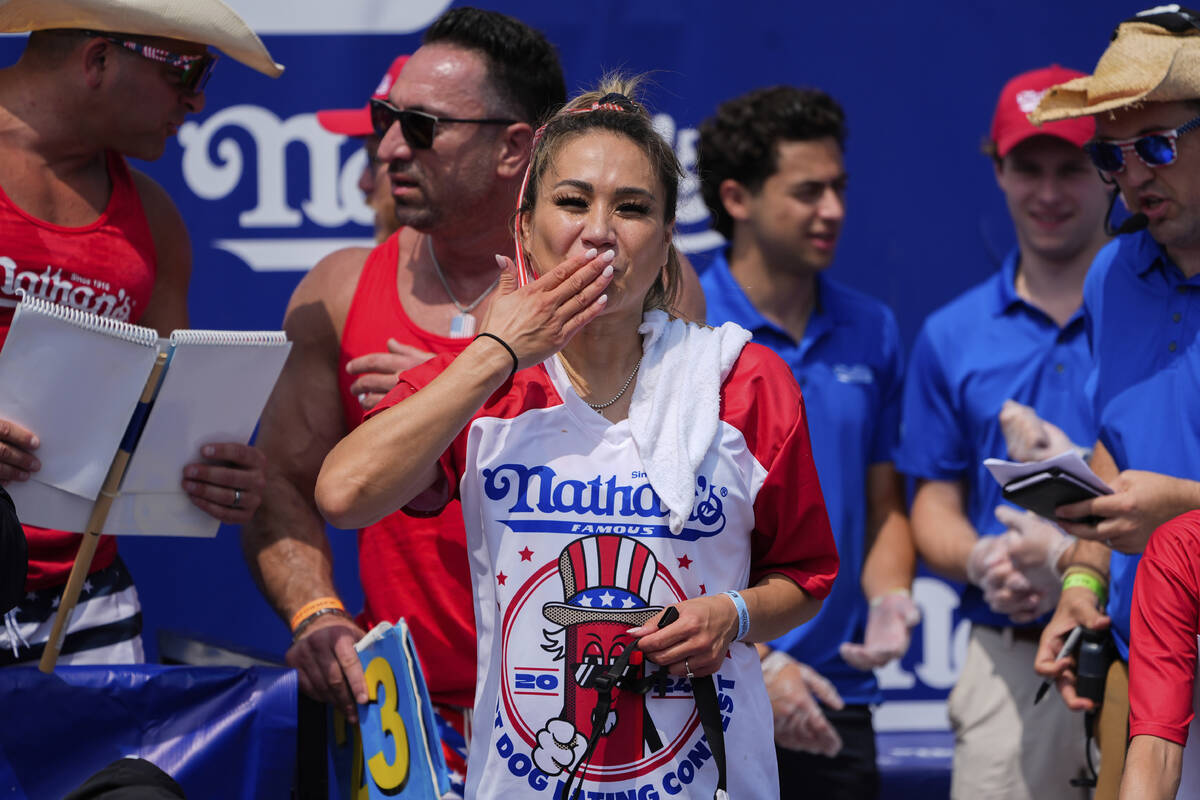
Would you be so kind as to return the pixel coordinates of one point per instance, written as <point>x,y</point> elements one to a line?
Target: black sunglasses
<point>190,72</point>
<point>417,126</point>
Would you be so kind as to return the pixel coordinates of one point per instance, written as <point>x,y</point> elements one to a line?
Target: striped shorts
<point>105,628</point>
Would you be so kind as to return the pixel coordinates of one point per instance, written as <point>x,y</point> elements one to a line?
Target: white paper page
<point>158,514</point>
<point>1006,472</point>
<point>76,389</point>
<point>211,393</point>
<point>47,507</point>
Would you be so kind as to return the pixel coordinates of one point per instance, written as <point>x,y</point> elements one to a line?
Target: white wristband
<point>743,615</point>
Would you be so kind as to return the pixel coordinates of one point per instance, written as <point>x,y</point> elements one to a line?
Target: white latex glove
<point>889,629</point>
<point>794,689</point>
<point>987,553</point>
<point>1034,547</point>
<point>1028,436</point>
<point>1005,589</point>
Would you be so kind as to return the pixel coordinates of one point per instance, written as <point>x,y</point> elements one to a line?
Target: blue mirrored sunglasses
<point>1155,149</point>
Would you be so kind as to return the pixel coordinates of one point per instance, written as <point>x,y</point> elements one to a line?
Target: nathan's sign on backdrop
<point>216,161</point>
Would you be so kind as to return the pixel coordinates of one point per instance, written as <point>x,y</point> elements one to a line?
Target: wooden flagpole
<point>91,534</point>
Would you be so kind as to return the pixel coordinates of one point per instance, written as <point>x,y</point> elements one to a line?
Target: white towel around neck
<point>676,404</point>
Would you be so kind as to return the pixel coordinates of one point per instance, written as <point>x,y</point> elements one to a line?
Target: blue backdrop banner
<point>221,732</point>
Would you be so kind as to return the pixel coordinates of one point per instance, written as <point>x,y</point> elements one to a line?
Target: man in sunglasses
<point>97,83</point>
<point>1019,335</point>
<point>1142,300</point>
<point>455,132</point>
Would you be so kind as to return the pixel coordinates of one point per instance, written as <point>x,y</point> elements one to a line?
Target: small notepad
<point>75,379</point>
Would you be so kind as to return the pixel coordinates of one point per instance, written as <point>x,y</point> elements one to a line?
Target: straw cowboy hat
<point>209,22</point>
<point>1145,63</point>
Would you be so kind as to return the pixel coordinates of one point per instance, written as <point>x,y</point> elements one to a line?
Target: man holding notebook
<point>97,83</point>
<point>1142,300</point>
<point>1020,335</point>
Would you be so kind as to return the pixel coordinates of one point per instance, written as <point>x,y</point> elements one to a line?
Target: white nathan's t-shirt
<point>569,548</point>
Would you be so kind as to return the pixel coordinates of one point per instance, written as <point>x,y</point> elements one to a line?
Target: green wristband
<point>1087,582</point>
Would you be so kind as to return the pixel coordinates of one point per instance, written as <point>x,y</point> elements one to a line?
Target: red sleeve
<point>409,383</point>
<point>1162,651</point>
<point>528,388</point>
<point>791,533</point>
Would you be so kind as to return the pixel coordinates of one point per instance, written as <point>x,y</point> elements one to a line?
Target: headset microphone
<point>1132,224</point>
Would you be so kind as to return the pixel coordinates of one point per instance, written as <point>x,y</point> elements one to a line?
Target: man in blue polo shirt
<point>773,178</point>
<point>1142,299</point>
<point>1019,335</point>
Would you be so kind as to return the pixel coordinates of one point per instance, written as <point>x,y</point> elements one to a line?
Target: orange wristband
<point>308,609</point>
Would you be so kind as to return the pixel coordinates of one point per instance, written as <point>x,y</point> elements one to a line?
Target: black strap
<point>705,691</point>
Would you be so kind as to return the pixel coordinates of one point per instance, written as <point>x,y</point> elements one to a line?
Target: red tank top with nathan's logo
<point>106,268</point>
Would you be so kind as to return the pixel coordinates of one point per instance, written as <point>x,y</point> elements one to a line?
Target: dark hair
<point>631,120</point>
<point>523,65</point>
<point>740,140</point>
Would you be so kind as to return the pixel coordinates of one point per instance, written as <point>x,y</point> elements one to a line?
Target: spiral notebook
<point>75,379</point>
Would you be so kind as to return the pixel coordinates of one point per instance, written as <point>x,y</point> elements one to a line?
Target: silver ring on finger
<point>237,499</point>
<point>688,669</point>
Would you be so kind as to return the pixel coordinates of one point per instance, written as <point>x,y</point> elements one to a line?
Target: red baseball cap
<point>1011,125</point>
<point>357,121</point>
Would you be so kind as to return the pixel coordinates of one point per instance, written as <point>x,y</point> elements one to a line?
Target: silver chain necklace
<point>463,324</point>
<point>629,380</point>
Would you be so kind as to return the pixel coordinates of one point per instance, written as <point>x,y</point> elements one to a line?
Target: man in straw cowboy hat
<point>100,80</point>
<point>1142,301</point>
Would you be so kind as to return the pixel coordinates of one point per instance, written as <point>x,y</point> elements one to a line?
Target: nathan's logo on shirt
<point>542,502</point>
<point>853,373</point>
<point>76,291</point>
<point>591,592</point>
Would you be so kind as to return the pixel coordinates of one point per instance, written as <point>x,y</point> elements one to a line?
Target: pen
<point>1068,646</point>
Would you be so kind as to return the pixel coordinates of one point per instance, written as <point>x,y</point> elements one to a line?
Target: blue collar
<point>1006,296</point>
<point>1150,255</point>
<point>820,322</point>
<point>1006,287</point>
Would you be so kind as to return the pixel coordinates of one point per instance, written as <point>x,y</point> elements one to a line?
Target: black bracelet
<point>503,344</point>
<point>311,618</point>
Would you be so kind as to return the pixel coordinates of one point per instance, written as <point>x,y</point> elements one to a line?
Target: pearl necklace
<point>629,380</point>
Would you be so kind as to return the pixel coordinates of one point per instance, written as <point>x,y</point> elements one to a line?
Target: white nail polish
<point>500,261</point>
<point>602,299</point>
<point>590,254</point>
<point>609,255</point>
<point>608,271</point>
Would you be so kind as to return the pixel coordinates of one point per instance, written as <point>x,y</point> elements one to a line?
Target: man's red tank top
<point>106,268</point>
<point>411,567</point>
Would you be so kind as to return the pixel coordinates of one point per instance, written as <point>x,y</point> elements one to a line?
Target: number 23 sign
<point>395,753</point>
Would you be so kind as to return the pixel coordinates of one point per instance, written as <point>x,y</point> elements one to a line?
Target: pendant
<point>462,326</point>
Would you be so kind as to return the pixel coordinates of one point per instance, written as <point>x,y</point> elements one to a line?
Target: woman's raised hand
<point>538,319</point>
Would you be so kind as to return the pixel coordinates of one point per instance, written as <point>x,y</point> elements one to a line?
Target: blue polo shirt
<point>1143,316</point>
<point>971,355</point>
<point>849,367</point>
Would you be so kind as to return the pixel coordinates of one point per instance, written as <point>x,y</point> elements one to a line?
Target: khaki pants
<point>1112,731</point>
<point>1006,748</point>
